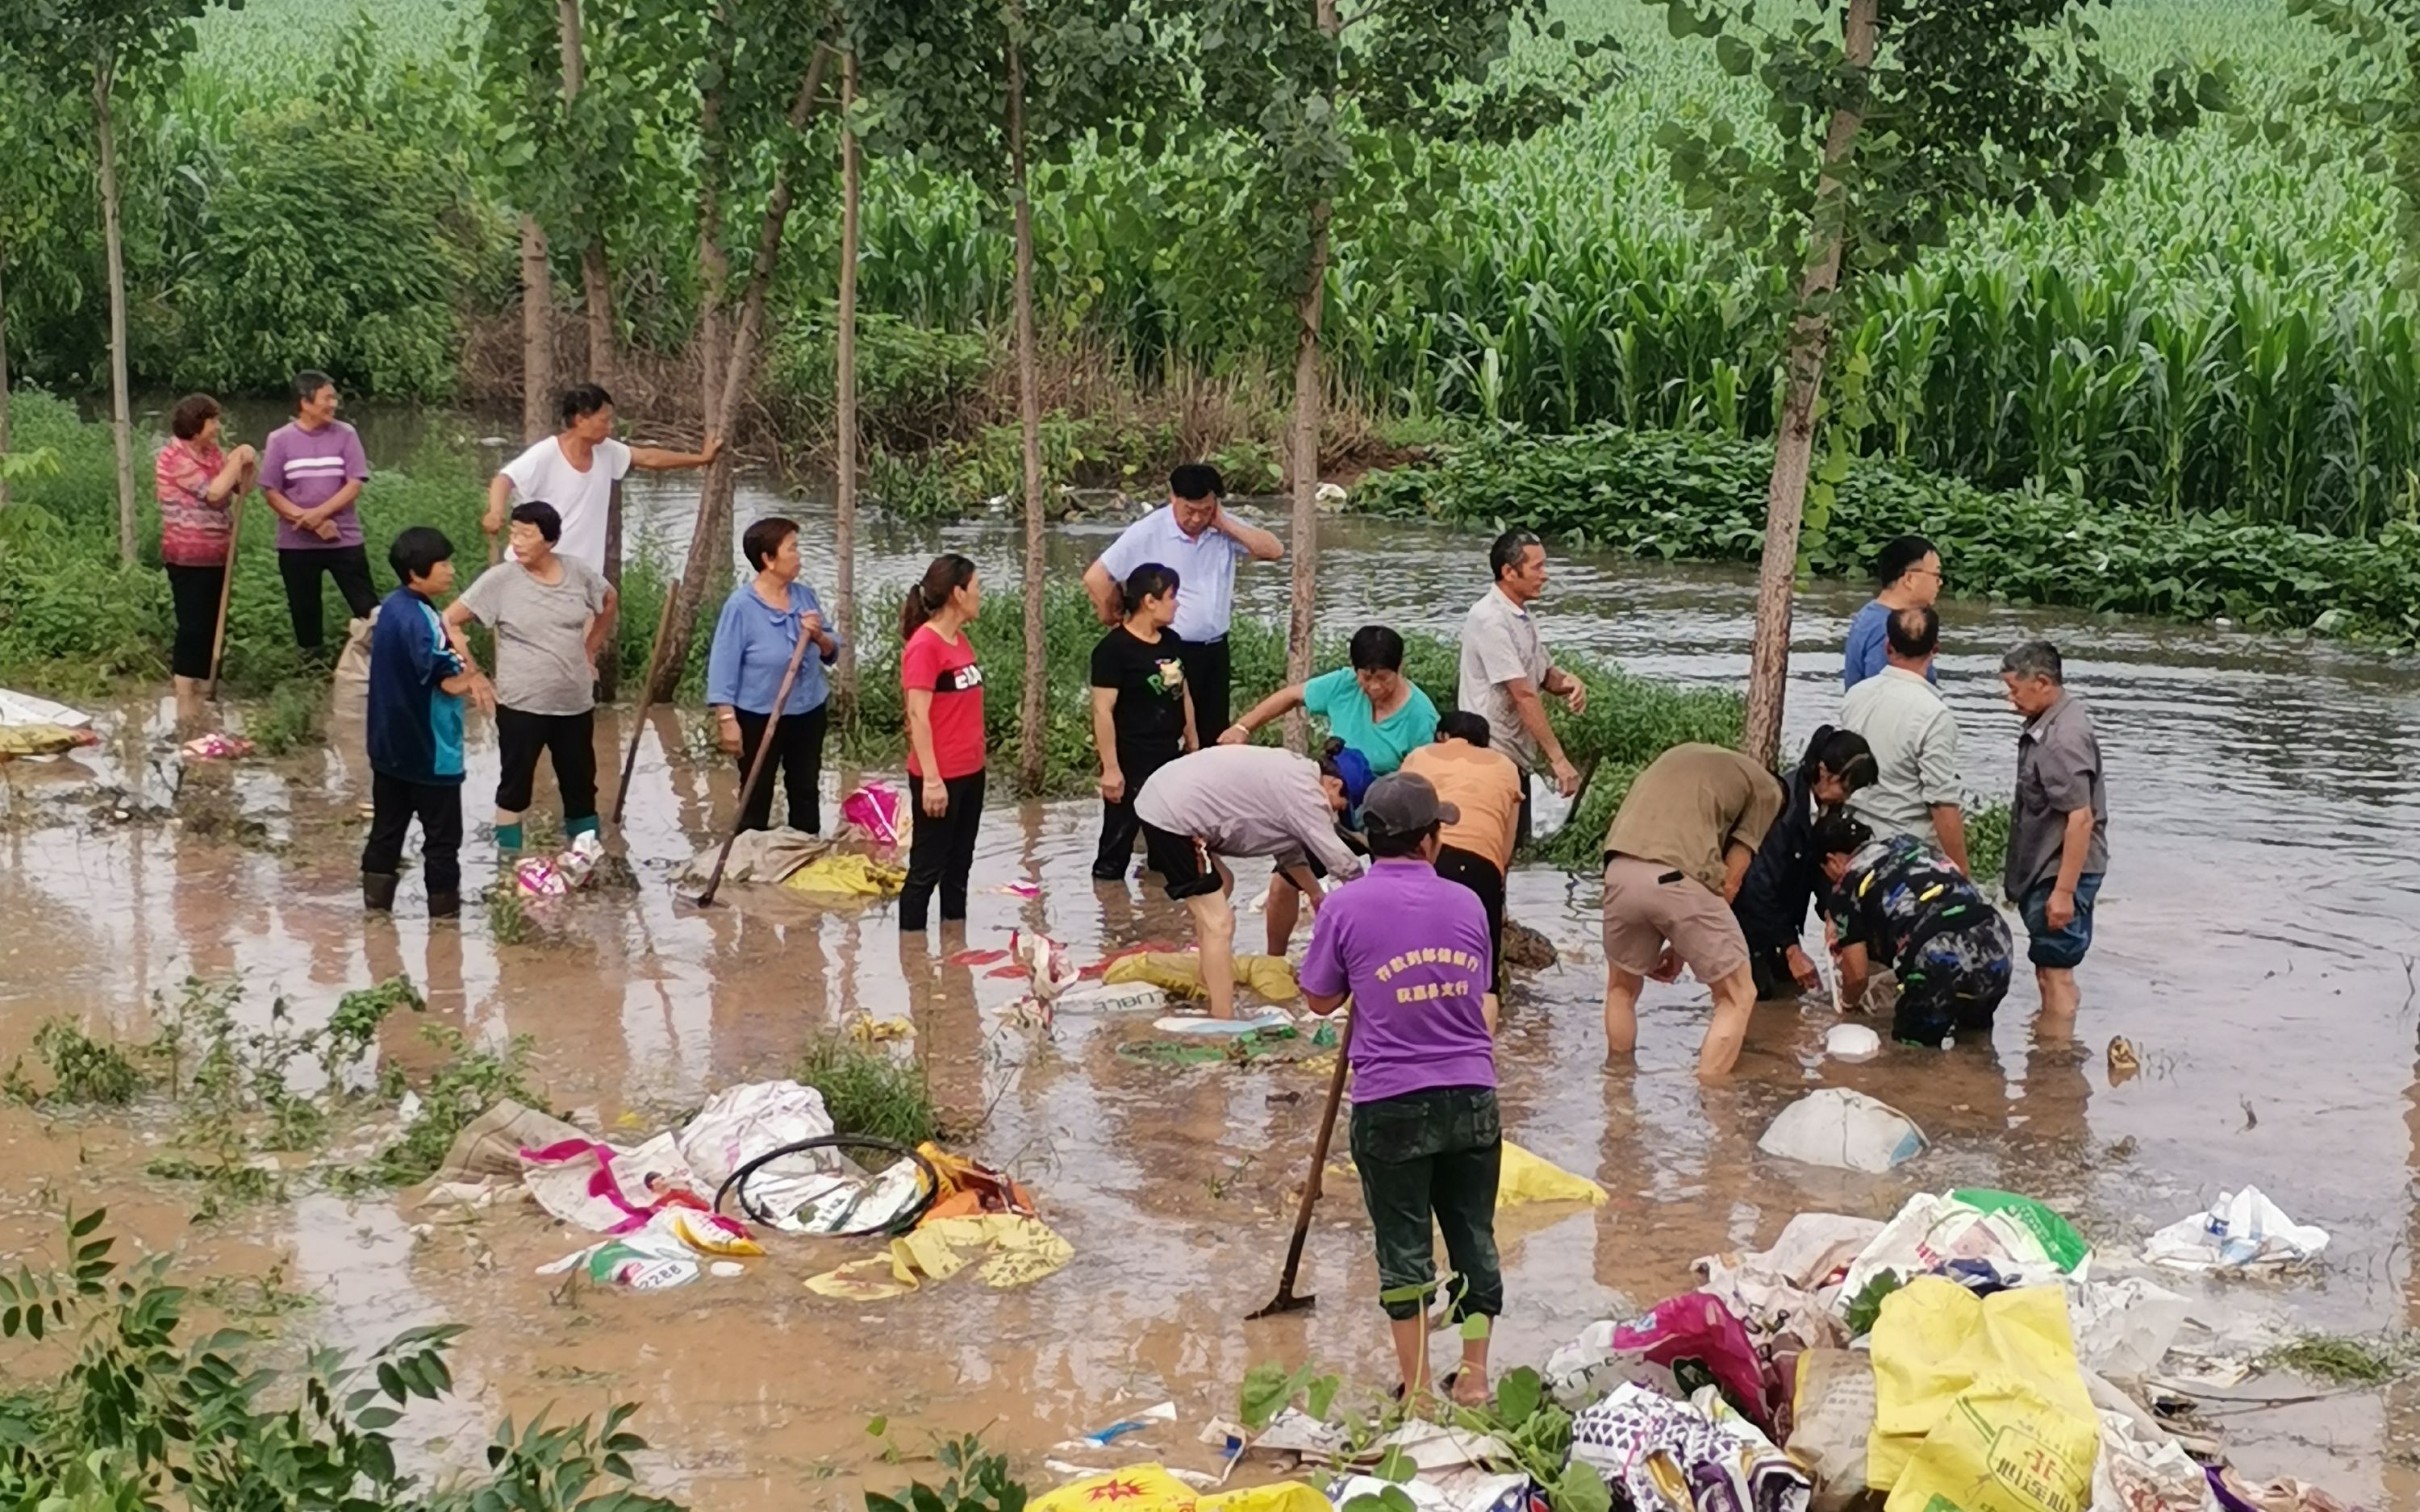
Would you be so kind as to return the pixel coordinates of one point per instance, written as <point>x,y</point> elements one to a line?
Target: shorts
<point>2060,949</point>
<point>1185,864</point>
<point>1953,982</point>
<point>1648,903</point>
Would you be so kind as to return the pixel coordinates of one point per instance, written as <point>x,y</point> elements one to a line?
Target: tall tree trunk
<point>730,358</point>
<point>121,405</point>
<point>597,292</point>
<point>1303,461</point>
<point>4,381</point>
<point>1794,448</point>
<point>844,421</point>
<point>537,334</point>
<point>1029,714</point>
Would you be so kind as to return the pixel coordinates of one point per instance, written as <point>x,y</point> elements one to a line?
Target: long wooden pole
<point>755,772</point>
<point>226,591</point>
<point>1285,1300</point>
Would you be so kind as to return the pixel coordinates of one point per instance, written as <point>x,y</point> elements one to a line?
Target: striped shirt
<point>309,468</point>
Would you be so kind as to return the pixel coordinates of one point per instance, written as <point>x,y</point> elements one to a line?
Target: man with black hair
<point>2058,830</point>
<point>1483,787</point>
<point>311,473</point>
<point>1195,536</point>
<point>1412,952</point>
<point>420,670</point>
<point>1898,900</point>
<point>549,612</point>
<point>576,470</point>
<point>1915,741</point>
<point>1505,671</point>
<point>1907,574</point>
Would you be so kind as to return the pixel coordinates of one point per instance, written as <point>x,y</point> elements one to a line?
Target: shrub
<point>868,1092</point>
<point>915,385</point>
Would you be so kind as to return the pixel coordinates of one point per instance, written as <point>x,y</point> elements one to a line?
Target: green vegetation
<point>85,1072</point>
<point>2342,1359</point>
<point>978,1481</point>
<point>869,1091</point>
<point>143,1413</point>
<point>468,1082</point>
<point>1987,841</point>
<point>1673,495</point>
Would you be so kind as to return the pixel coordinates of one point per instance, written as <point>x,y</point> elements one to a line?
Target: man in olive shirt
<point>2059,844</point>
<point>1674,859</point>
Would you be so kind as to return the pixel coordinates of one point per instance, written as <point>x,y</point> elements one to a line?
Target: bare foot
<point>1469,1389</point>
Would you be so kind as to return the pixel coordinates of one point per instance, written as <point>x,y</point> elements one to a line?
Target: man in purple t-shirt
<point>311,472</point>
<point>1412,950</point>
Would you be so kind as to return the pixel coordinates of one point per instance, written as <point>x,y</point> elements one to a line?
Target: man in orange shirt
<point>1477,849</point>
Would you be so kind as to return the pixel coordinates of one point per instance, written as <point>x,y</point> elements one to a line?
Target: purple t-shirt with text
<point>308,466</point>
<point>1412,949</point>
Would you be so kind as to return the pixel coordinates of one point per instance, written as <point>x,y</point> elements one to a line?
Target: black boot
<point>378,890</point>
<point>444,904</point>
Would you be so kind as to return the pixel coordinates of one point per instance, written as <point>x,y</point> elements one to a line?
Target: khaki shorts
<point>1642,911</point>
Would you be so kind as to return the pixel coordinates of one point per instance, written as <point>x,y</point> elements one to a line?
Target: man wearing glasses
<point>1909,572</point>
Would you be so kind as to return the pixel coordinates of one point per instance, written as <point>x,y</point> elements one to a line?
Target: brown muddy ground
<point>2256,943</point>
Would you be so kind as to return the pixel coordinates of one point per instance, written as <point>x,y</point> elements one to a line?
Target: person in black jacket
<point>1786,874</point>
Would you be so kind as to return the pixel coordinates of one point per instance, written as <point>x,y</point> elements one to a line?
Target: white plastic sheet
<point>2240,1232</point>
<point>1834,1126</point>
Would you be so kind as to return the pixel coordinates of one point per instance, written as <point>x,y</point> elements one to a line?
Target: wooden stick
<point>226,591</point>
<point>647,701</point>
<point>1285,1300</point>
<point>755,768</point>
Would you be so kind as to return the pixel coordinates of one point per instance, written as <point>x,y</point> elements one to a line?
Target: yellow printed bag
<point>1979,1406</point>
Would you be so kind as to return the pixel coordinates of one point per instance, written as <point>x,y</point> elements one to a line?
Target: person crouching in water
<point>1224,802</point>
<point>1413,953</point>
<point>1899,899</point>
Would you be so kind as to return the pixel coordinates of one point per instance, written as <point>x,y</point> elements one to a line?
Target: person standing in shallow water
<point>943,688</point>
<point>1506,675</point>
<point>2059,832</point>
<point>311,473</point>
<point>1909,572</point>
<point>753,639</point>
<point>1142,710</point>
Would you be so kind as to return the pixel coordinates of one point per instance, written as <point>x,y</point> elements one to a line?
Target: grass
<point>289,719</point>
<point>83,1071</point>
<point>2343,1359</point>
<point>869,1091</point>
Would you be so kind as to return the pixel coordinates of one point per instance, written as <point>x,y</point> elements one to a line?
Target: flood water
<point>2257,939</point>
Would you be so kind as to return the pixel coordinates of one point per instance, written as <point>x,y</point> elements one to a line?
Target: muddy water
<point>2256,940</point>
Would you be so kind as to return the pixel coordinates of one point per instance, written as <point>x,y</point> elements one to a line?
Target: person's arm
<point>920,737</point>
<point>599,625</point>
<point>1325,986</point>
<point>2074,844</point>
<point>1736,858</point>
<point>1563,685</point>
<point>1104,739</point>
<point>499,499</point>
<point>1533,711</point>
<point>1192,736</point>
<point>657,459</point>
<point>1260,545</point>
<point>233,474</point>
<point>1852,977</point>
<point>725,657</point>
<point>458,615</point>
<point>826,639</point>
<point>1274,706</point>
<point>1316,831</point>
<point>337,503</point>
<point>1949,826</point>
<point>1103,591</point>
<point>1937,770</point>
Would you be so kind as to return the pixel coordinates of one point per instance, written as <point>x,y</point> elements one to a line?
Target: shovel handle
<point>1318,1166</point>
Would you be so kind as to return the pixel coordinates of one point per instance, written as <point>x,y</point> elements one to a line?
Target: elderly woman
<point>1371,706</point>
<point>197,484</point>
<point>759,629</point>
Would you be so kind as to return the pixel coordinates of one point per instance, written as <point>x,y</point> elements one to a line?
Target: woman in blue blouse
<point>759,627</point>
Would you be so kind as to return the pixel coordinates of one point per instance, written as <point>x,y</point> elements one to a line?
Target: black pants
<point>394,805</point>
<point>196,592</point>
<point>1479,875</point>
<point>1119,826</point>
<point>1432,1155</point>
<point>349,564</point>
<point>940,851</point>
<point>798,750</point>
<point>570,738</point>
<point>1521,827</point>
<point>1207,676</point>
<point>1770,966</point>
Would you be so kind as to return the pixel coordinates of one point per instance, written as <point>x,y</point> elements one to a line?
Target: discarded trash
<point>1159,1488</point>
<point>1127,997</point>
<point>1275,1018</point>
<point>1015,1250</point>
<point>1046,962</point>
<point>25,709</point>
<point>609,1190</point>
<point>1834,1126</point>
<point>1787,1291</point>
<point>1696,1340</point>
<point>491,1144</point>
<point>2240,1232</point>
<point>2145,1471</point>
<point>1522,1176</point>
<point>2235,1494</point>
<point>1020,889</point>
<point>1656,1452</point>
<point>35,741</point>
<point>867,1029</point>
<point>875,810</point>
<point>1103,1438</point>
<point>2018,1235</point>
<point>740,1122</point>
<point>848,875</point>
<point>1832,1416</point>
<point>621,1265</point>
<point>1851,1041</point>
<point>2122,1328</point>
<point>217,747</point>
<point>1180,972</point>
<point>2124,1060</point>
<point>1961,1381</point>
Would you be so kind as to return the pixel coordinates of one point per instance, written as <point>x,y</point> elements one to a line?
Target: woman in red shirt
<point>945,739</point>
<point>198,485</point>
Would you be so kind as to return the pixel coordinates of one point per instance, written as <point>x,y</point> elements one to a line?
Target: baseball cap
<point>1401,803</point>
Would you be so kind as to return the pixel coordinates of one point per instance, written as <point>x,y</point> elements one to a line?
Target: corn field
<point>2224,331</point>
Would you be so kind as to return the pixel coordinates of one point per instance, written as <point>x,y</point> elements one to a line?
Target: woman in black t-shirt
<point>1142,713</point>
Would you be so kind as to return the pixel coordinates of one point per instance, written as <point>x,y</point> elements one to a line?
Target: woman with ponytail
<point>1787,874</point>
<point>945,738</point>
<point>1142,711</point>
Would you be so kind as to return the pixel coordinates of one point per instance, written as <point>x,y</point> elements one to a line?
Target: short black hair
<point>1385,843</point>
<point>1508,550</point>
<point>582,399</point>
<point>192,413</point>
<point>1374,648</point>
<point>1899,555</point>
<point>1149,580</point>
<point>1915,633</point>
<point>416,552</point>
<point>1836,832</point>
<point>1461,724</point>
<point>539,513</point>
<point>1196,480</point>
<point>307,384</point>
<point>763,540</point>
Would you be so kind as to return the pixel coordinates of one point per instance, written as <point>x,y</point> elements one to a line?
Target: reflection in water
<point>2253,943</point>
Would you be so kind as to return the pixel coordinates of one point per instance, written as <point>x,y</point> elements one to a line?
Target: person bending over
<point>1785,877</point>
<point>1900,900</point>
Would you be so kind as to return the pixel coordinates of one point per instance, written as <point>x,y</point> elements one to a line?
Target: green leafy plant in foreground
<point>868,1091</point>
<point>1866,1308</point>
<point>468,1083</point>
<point>84,1070</point>
<point>978,1481</point>
<point>142,1412</point>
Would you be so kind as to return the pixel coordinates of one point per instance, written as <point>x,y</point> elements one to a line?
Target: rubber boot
<point>378,890</point>
<point>445,906</point>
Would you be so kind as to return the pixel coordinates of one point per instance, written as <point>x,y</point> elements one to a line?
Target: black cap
<point>1401,803</point>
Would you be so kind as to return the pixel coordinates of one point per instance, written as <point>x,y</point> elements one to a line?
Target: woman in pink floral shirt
<point>197,484</point>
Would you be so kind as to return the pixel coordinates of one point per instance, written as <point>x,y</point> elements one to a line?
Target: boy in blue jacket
<point>419,675</point>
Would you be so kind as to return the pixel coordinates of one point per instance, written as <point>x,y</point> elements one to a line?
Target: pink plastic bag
<point>1702,1344</point>
<point>875,809</point>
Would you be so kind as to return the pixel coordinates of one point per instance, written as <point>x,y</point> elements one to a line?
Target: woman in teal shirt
<point>1371,706</point>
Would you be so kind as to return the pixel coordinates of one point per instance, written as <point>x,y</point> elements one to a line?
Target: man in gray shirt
<point>1914,740</point>
<point>2059,844</point>
<point>551,613</point>
<point>1223,802</point>
<point>1505,670</point>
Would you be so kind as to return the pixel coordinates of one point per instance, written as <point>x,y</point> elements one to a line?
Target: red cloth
<point>193,532</point>
<point>948,668</point>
